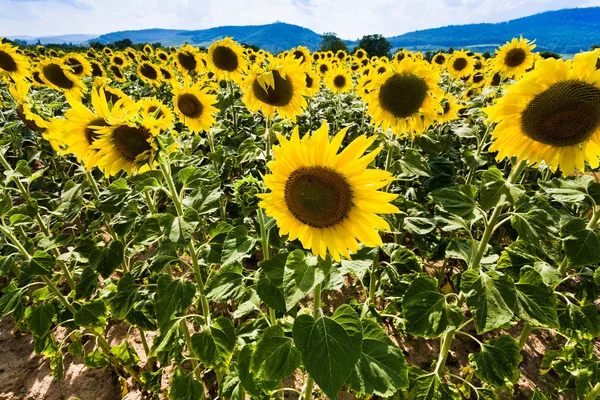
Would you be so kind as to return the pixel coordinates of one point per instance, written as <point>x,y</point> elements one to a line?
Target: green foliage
<point>330,42</point>
<point>375,45</point>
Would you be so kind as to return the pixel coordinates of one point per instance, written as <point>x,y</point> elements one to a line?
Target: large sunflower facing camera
<point>328,201</point>
<point>227,60</point>
<point>404,97</point>
<point>281,88</point>
<point>551,115</point>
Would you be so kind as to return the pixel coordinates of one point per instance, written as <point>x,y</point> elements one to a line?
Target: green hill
<point>564,31</point>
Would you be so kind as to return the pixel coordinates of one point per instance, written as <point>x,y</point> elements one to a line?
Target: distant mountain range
<point>564,31</point>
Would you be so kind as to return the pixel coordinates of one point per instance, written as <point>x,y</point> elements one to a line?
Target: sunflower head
<point>187,60</point>
<point>360,54</point>
<point>551,115</point>
<point>13,63</point>
<point>448,111</point>
<point>149,73</point>
<point>58,76</point>
<point>154,109</point>
<point>120,60</point>
<point>439,59</point>
<point>514,58</point>
<point>281,88</point>
<point>303,54</point>
<point>194,106</point>
<point>403,98</point>
<point>80,67</point>
<point>97,69</point>
<point>327,200</point>
<point>339,80</point>
<point>227,60</point>
<point>460,64</point>
<point>148,50</point>
<point>313,82</point>
<point>117,73</point>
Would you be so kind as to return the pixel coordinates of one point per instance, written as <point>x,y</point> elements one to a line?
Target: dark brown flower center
<point>189,105</point>
<point>117,72</point>
<point>439,59</point>
<point>186,60</point>
<point>565,114</point>
<point>152,110</point>
<point>148,71</point>
<point>515,57</point>
<point>278,95</point>
<point>309,80</point>
<point>75,65</point>
<point>30,123</point>
<point>118,60</point>
<point>323,68</point>
<point>318,196</point>
<point>225,58</point>
<point>460,63</point>
<point>403,94</point>
<point>7,62</point>
<point>131,142</point>
<point>166,74</point>
<point>339,81</point>
<point>97,70</point>
<point>55,75</point>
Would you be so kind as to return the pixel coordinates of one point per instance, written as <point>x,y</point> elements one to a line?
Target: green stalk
<point>264,236</point>
<point>233,112</point>
<point>41,224</point>
<point>447,342</point>
<point>527,328</point>
<point>308,387</point>
<point>193,358</point>
<point>268,139</point>
<point>166,171</point>
<point>594,393</point>
<point>373,279</point>
<point>489,229</point>
<point>96,194</point>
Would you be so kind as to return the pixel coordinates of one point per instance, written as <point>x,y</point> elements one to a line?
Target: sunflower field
<point>305,225</point>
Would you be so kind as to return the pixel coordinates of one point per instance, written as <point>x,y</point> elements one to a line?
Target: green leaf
<point>301,274</point>
<point>214,345</point>
<point>412,163</point>
<point>491,298</point>
<point>173,296</point>
<point>87,284</point>
<point>237,246</point>
<point>429,387</point>
<point>425,310</point>
<point>39,318</point>
<point>361,262</point>
<point>330,347</point>
<point>42,263</point>
<point>126,354</point>
<point>91,314</point>
<point>95,359</point>
<point>255,387</point>
<point>418,225</point>
<point>269,293</point>
<point>275,357</point>
<point>579,322</point>
<point>185,387</point>
<point>108,259</point>
<point>567,190</point>
<point>381,369</point>
<point>207,202</point>
<point>493,187</point>
<point>122,302</point>
<point>180,231</point>
<point>226,284</point>
<point>581,245</point>
<point>536,301</point>
<point>457,200</point>
<point>11,300</point>
<point>498,362</point>
<point>57,366</point>
<point>76,349</point>
<point>536,227</point>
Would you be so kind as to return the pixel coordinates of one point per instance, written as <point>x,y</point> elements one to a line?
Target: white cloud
<point>350,19</point>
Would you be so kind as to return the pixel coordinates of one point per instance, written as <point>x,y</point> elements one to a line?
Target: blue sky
<point>350,19</point>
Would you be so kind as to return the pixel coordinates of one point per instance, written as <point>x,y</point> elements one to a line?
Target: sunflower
<point>303,54</point>
<point>117,73</point>
<point>149,73</point>
<point>401,55</point>
<point>80,67</point>
<point>280,88</point>
<point>341,55</point>
<point>148,49</point>
<point>226,60</point>
<point>113,95</point>
<point>107,51</point>
<point>360,54</point>
<point>162,56</point>
<point>514,58</point>
<point>79,131</point>
<point>129,143</point>
<point>448,111</point>
<point>186,59</point>
<point>439,59</point>
<point>36,78</point>
<point>403,98</point>
<point>477,79</point>
<point>97,69</point>
<point>194,106</point>
<point>316,56</point>
<point>323,67</point>
<point>460,64</point>
<point>13,63</point>
<point>312,81</point>
<point>363,86</point>
<point>339,80</point>
<point>152,108</point>
<point>551,115</point>
<point>119,60</point>
<point>131,54</point>
<point>167,74</point>
<point>58,76</point>
<point>327,200</point>
<point>19,92</point>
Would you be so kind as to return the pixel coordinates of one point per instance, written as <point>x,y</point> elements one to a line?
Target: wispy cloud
<point>349,19</point>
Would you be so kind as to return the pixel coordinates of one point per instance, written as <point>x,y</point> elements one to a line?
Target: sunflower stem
<point>194,357</point>
<point>373,279</point>
<point>96,194</point>
<point>491,226</point>
<point>233,112</point>
<point>527,328</point>
<point>264,234</point>
<point>388,159</point>
<point>25,194</point>
<point>308,386</point>
<point>166,172</point>
<point>594,393</point>
<point>268,131</point>
<point>337,112</point>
